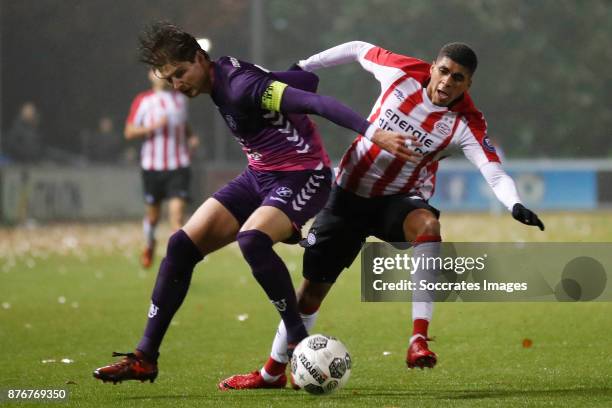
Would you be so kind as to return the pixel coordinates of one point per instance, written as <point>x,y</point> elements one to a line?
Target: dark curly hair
<point>460,53</point>
<point>164,43</point>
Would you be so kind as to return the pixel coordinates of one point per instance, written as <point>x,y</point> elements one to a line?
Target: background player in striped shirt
<point>286,182</point>
<point>159,117</point>
<point>379,193</point>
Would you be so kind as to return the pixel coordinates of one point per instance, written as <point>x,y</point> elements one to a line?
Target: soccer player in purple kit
<point>287,181</point>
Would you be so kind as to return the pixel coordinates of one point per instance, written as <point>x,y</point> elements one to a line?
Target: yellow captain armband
<point>271,98</point>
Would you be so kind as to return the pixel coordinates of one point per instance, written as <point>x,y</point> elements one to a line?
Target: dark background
<point>544,80</point>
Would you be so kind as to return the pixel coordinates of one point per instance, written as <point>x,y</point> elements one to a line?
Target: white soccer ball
<point>320,364</point>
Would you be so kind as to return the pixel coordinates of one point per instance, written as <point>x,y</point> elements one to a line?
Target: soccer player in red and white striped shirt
<point>159,117</point>
<point>379,192</point>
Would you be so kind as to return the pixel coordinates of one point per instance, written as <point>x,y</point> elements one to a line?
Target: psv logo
<point>311,239</point>
<point>443,128</point>
<point>399,94</point>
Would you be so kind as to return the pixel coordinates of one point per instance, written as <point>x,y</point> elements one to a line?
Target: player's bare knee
<point>430,226</point>
<point>421,222</point>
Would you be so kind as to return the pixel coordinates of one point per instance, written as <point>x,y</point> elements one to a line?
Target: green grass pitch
<point>77,292</point>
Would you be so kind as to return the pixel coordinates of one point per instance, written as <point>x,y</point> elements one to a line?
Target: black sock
<point>171,286</point>
<point>273,276</point>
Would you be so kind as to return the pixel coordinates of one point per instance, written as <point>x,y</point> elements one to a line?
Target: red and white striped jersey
<point>165,148</point>
<point>404,106</point>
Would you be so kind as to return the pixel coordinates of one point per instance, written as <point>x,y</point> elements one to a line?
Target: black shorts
<point>341,228</point>
<point>160,185</point>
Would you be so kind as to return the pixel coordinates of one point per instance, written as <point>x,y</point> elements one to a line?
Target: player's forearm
<point>297,101</point>
<point>135,132</point>
<point>501,183</point>
<point>338,55</point>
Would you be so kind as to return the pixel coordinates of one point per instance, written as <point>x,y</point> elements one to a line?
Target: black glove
<point>526,216</point>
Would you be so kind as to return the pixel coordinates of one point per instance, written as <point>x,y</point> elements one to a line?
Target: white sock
<point>422,308</point>
<point>279,346</point>
<point>148,230</point>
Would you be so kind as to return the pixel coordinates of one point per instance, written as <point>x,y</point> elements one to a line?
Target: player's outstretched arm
<point>297,101</point>
<point>338,55</point>
<point>505,190</point>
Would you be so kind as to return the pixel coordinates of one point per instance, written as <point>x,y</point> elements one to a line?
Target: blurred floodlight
<point>205,44</point>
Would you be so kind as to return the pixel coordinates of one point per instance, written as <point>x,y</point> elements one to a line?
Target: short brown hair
<point>162,43</point>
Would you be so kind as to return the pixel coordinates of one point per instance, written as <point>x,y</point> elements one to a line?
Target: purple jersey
<point>272,140</point>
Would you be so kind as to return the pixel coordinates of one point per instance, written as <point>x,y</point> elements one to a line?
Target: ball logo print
<point>312,369</point>
<point>317,342</point>
<point>332,385</point>
<point>347,359</point>
<point>314,389</point>
<point>320,364</point>
<point>337,368</point>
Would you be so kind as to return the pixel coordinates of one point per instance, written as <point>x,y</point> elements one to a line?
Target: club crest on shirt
<point>399,94</point>
<point>284,192</point>
<point>443,128</point>
<point>488,146</point>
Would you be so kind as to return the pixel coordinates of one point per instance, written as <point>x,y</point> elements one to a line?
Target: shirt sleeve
<point>501,183</point>
<point>479,150</point>
<point>473,140</point>
<point>247,87</point>
<point>338,55</point>
<point>258,89</point>
<point>385,65</point>
<point>304,80</point>
<point>294,100</point>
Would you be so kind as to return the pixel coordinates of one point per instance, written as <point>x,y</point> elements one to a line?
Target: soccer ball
<point>320,364</point>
